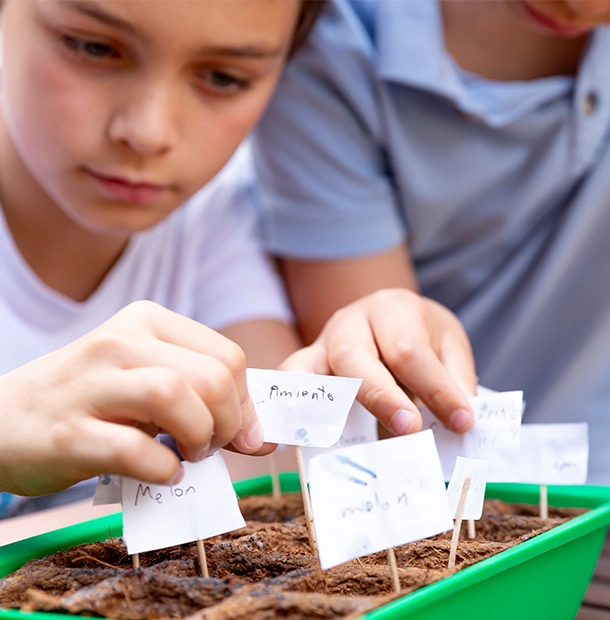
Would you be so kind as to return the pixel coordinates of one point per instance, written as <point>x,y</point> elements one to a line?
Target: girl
<point>113,115</point>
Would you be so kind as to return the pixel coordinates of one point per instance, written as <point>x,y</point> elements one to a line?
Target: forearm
<point>317,289</point>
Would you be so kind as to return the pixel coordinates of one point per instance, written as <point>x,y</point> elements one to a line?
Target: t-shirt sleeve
<point>236,279</point>
<point>323,188</point>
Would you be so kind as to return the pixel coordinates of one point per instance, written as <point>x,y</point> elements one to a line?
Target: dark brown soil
<point>263,571</point>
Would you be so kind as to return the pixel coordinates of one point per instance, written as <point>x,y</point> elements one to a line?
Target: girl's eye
<point>223,82</point>
<point>91,49</point>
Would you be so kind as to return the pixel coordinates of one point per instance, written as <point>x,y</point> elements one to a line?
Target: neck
<point>485,38</point>
<point>67,258</point>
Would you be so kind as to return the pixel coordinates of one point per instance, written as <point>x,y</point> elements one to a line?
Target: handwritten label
<point>203,504</point>
<point>301,409</point>
<point>494,436</point>
<point>554,453</point>
<point>108,490</point>
<point>476,470</point>
<point>361,427</point>
<point>374,496</point>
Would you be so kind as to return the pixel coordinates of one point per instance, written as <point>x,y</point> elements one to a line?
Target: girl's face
<point>562,18</point>
<point>120,111</point>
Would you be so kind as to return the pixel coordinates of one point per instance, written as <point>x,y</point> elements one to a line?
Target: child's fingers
<point>214,382</point>
<point>160,396</point>
<point>352,352</point>
<point>250,436</point>
<point>458,360</point>
<point>404,344</point>
<point>106,447</point>
<point>217,383</point>
<point>188,334</point>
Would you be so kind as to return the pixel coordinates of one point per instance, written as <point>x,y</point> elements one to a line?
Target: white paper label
<point>476,470</point>
<point>494,436</point>
<point>554,453</point>
<point>374,496</point>
<point>301,409</point>
<point>203,504</point>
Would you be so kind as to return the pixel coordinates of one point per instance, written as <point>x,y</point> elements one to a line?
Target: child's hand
<point>83,410</point>
<point>399,335</point>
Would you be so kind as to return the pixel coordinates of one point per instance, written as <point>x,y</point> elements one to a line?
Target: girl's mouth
<point>119,188</point>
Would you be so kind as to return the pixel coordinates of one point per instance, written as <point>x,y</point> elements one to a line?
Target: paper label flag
<point>301,409</point>
<point>108,490</point>
<point>361,427</point>
<point>554,453</point>
<point>374,496</point>
<point>203,504</point>
<point>476,470</point>
<point>494,436</point>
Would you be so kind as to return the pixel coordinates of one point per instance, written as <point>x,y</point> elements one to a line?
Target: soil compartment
<point>267,571</point>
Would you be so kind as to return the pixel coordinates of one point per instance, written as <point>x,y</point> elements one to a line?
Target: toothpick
<point>306,502</point>
<point>393,569</point>
<point>135,558</point>
<point>458,523</point>
<point>275,477</point>
<point>472,532</point>
<point>544,502</point>
<point>203,563</point>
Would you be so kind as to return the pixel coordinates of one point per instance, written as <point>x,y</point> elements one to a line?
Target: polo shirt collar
<point>411,52</point>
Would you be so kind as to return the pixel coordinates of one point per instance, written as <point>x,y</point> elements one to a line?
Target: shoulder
<point>337,61</point>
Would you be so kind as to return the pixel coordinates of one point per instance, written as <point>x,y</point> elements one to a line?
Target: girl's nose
<point>593,8</point>
<point>145,122</point>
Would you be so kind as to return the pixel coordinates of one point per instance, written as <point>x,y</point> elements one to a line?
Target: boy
<point>459,149</point>
<point>113,115</point>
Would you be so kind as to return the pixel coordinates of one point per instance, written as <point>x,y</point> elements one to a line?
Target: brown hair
<point>310,11</point>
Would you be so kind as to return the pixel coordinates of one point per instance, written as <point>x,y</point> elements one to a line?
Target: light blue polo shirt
<point>502,190</point>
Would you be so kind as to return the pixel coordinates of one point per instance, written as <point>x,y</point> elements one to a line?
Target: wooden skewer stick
<point>544,502</point>
<point>458,523</point>
<point>306,502</point>
<point>472,532</point>
<point>135,558</point>
<point>275,477</point>
<point>203,563</point>
<point>393,569</point>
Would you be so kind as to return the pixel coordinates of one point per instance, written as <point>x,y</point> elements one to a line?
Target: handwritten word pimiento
<point>301,409</point>
<point>318,394</point>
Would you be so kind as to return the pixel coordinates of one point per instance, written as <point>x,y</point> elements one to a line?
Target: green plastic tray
<point>545,577</point>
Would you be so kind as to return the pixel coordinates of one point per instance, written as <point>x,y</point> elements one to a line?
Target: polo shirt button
<point>590,104</point>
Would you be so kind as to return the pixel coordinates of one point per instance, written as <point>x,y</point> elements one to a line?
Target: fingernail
<point>177,477</point>
<point>254,439</point>
<point>402,421</point>
<point>461,420</point>
<point>202,453</point>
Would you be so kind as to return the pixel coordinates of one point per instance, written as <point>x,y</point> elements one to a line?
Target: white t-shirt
<point>204,261</point>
